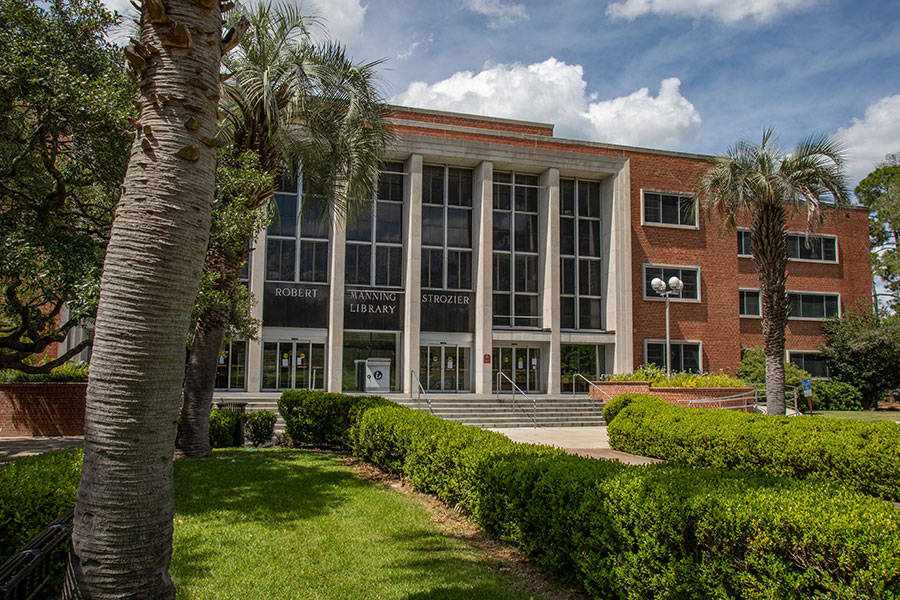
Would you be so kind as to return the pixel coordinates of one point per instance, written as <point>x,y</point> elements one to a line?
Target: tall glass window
<point>297,237</point>
<point>446,228</point>
<point>580,254</point>
<point>516,300</point>
<point>375,235</point>
<point>231,368</point>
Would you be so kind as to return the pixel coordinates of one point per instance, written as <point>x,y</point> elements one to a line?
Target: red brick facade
<point>42,409</point>
<point>714,319</point>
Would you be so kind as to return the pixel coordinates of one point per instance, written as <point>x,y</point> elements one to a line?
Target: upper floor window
<point>515,250</point>
<point>580,254</point>
<point>446,228</point>
<point>749,303</point>
<point>745,247</point>
<point>803,247</point>
<point>297,237</point>
<point>689,276</point>
<point>813,306</point>
<point>374,253</point>
<point>670,209</point>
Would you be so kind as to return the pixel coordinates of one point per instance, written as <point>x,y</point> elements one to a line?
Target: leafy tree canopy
<point>863,349</point>
<point>880,191</point>
<point>64,117</point>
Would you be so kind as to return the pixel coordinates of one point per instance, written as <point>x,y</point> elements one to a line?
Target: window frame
<point>578,221</point>
<point>386,168</point>
<point>743,230</point>
<point>446,249</point>
<point>802,243</point>
<point>810,293</point>
<point>805,352</point>
<point>657,297</point>
<point>698,343</point>
<point>744,315</point>
<point>298,239</point>
<point>695,226</point>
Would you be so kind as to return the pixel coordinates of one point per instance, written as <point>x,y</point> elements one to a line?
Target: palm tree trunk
<point>770,259</point>
<point>199,383</point>
<point>122,532</point>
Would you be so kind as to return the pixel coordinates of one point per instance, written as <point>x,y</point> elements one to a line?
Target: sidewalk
<point>12,448</point>
<point>591,442</point>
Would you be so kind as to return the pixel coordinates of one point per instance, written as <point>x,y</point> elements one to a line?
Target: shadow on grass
<point>268,486</point>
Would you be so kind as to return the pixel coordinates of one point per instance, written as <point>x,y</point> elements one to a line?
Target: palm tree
<point>761,183</point>
<point>292,102</point>
<point>122,532</point>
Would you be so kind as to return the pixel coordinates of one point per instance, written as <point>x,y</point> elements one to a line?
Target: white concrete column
<point>337,251</point>
<point>257,270</point>
<point>412,259</point>
<point>616,198</point>
<point>482,236</point>
<point>548,223</point>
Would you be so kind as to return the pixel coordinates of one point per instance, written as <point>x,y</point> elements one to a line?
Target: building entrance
<point>444,368</point>
<point>293,365</point>
<point>522,365</point>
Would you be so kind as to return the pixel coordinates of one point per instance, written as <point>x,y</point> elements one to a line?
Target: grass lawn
<point>861,415</point>
<point>279,524</point>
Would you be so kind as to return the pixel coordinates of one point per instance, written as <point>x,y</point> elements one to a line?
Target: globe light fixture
<point>674,287</point>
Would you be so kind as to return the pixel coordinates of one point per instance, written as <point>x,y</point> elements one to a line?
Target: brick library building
<point>495,252</point>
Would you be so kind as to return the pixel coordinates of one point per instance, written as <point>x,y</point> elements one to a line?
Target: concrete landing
<point>12,448</point>
<point>591,442</point>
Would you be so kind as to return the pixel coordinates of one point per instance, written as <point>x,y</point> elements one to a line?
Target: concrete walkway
<point>12,448</point>
<point>583,441</point>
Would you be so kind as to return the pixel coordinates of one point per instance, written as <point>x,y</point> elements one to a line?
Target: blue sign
<point>806,384</point>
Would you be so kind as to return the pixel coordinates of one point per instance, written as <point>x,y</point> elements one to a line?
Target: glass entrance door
<point>444,368</point>
<point>521,365</point>
<point>293,365</point>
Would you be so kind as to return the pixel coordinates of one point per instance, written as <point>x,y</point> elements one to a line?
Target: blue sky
<point>689,75</point>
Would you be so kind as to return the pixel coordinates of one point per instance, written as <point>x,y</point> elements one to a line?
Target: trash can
<point>378,375</point>
<point>240,408</point>
<point>360,365</point>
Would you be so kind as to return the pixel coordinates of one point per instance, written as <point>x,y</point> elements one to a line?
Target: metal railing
<point>28,570</point>
<point>593,385</point>
<point>420,391</point>
<point>516,388</point>
<point>753,401</point>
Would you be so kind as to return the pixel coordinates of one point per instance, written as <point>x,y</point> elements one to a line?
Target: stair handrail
<point>515,389</point>
<point>590,383</point>
<point>421,390</point>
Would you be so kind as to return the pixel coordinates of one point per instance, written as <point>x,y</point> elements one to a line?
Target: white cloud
<point>728,11</point>
<point>404,54</point>
<point>555,92</point>
<point>869,139</point>
<point>499,15</point>
<point>343,18</point>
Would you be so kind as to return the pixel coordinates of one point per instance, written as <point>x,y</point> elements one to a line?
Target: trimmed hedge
<point>261,427</point>
<point>614,406</point>
<point>663,531</point>
<point>322,419</point>
<point>834,395</point>
<point>657,377</point>
<point>865,456</point>
<point>224,428</point>
<point>34,491</point>
<point>70,371</point>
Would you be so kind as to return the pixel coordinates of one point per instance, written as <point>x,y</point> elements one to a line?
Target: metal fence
<point>24,574</point>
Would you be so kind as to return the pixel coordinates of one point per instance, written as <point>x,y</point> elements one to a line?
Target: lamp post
<point>675,286</point>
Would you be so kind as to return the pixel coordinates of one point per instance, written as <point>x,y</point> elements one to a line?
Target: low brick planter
<point>42,409</point>
<point>718,397</point>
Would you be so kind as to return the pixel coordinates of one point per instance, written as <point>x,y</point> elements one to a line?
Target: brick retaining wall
<point>42,409</point>
<point>680,396</point>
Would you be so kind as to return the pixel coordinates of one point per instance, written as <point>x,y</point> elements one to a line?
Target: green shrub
<point>34,491</point>
<point>261,427</point>
<point>835,395</point>
<point>656,376</point>
<point>224,428</point>
<point>618,403</point>
<point>864,456</point>
<point>322,419</point>
<point>664,531</point>
<point>68,372</point>
<point>753,368</point>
